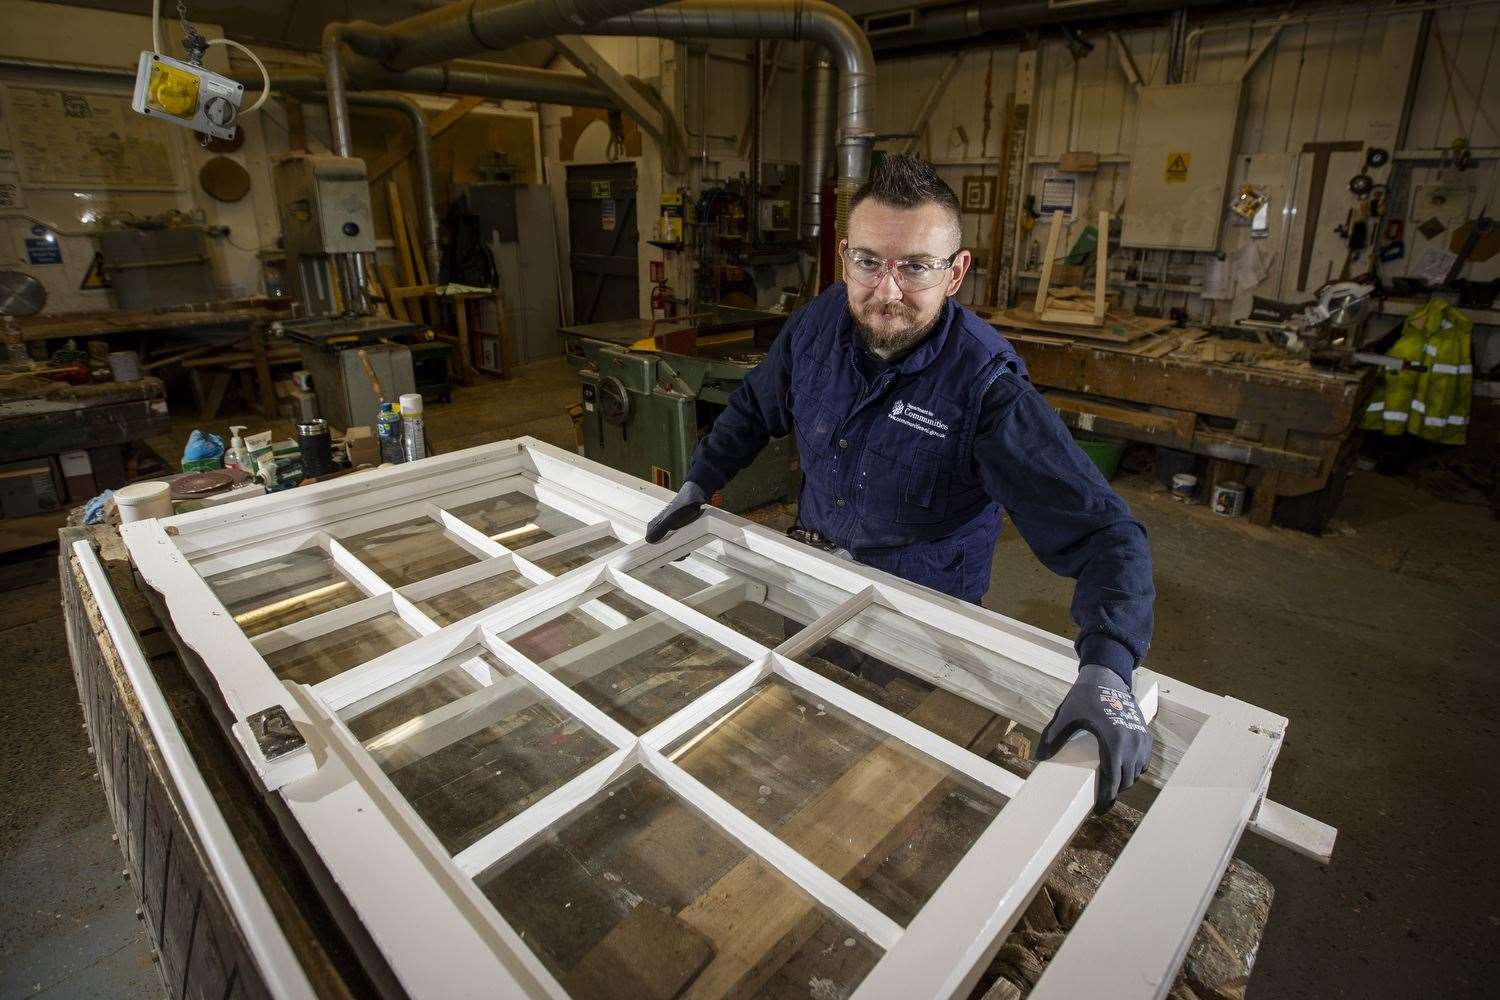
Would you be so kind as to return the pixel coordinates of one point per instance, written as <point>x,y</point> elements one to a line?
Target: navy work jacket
<point>910,464</point>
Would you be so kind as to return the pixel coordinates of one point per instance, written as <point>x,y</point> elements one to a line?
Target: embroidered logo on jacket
<point>911,415</point>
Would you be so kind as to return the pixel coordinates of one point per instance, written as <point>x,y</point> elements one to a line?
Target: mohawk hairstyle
<point>905,181</point>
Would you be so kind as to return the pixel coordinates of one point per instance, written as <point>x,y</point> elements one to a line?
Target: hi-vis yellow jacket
<point>1433,403</point>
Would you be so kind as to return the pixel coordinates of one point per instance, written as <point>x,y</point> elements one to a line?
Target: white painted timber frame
<point>439,933</point>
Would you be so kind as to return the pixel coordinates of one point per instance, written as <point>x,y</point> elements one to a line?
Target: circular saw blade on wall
<point>21,294</point>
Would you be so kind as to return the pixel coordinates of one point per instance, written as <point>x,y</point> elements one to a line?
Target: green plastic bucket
<point>1104,452</point>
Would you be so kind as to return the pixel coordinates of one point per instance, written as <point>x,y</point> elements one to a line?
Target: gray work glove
<point>1101,703</point>
<point>684,509</point>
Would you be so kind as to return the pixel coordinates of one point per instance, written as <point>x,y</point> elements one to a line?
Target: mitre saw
<point>1338,307</point>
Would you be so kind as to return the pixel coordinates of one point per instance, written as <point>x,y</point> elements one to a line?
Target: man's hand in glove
<point>684,509</point>
<point>1101,703</point>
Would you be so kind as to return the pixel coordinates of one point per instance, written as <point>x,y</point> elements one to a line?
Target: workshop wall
<point>1320,82</point>
<point>105,46</point>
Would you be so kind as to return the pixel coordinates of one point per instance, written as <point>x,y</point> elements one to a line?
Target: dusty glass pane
<point>869,654</point>
<point>276,592</point>
<point>472,598</point>
<point>637,674</point>
<point>315,660</point>
<point>515,519</point>
<point>636,895</point>
<point>886,820</point>
<point>410,551</point>
<point>473,745</point>
<point>579,555</point>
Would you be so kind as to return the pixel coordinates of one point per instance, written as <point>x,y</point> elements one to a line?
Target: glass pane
<point>637,674</point>
<point>276,592</point>
<point>473,745</point>
<point>472,598</point>
<point>515,519</point>
<point>886,820</point>
<point>410,551</point>
<point>581,554</point>
<point>863,653</point>
<point>636,895</point>
<point>754,621</point>
<point>314,660</point>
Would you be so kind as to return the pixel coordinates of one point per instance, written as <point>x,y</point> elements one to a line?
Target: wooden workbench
<point>201,946</point>
<point>1277,424</point>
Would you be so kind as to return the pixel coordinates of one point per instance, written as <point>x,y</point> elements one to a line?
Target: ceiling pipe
<point>910,26</point>
<point>795,20</point>
<point>478,26</point>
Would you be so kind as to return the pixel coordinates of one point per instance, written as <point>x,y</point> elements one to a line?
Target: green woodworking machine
<point>652,388</point>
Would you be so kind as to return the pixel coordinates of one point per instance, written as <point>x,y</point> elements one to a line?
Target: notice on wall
<point>43,250</point>
<point>607,217</point>
<point>71,138</point>
<point>1177,167</point>
<point>1059,194</point>
<point>10,192</point>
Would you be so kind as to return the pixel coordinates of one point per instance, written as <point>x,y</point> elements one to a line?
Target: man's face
<point>892,319</point>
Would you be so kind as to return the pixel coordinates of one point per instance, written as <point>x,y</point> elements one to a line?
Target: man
<point>917,428</point>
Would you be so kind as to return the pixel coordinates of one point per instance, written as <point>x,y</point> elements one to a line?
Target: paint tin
<point>1184,485</point>
<point>141,501</point>
<point>1229,499</point>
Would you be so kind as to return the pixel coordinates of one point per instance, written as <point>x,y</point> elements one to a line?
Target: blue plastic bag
<point>201,446</point>
<point>93,511</point>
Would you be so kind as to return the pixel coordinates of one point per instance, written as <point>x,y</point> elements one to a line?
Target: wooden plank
<point>757,922</point>
<point>398,231</point>
<point>1044,285</point>
<point>1101,266</point>
<point>1091,414</point>
<point>650,955</point>
<point>1117,327</point>
<point>389,284</point>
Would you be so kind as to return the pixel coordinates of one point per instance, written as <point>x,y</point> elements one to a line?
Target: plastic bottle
<point>388,430</point>
<point>237,456</point>
<point>411,426</point>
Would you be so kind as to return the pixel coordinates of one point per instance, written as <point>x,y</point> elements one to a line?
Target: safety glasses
<point>913,274</point>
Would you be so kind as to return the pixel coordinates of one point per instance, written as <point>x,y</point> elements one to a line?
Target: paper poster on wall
<point>1177,167</point>
<point>607,217</point>
<point>10,192</point>
<point>1059,194</point>
<point>82,138</point>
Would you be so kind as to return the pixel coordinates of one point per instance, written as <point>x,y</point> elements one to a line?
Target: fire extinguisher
<point>663,300</point>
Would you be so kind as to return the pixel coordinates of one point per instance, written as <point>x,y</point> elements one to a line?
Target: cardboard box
<point>364,447</point>
<point>30,487</point>
<point>78,475</point>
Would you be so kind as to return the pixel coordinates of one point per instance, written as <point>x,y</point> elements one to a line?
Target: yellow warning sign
<point>1177,167</point>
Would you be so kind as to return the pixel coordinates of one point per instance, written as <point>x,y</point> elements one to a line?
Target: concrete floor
<point>1378,643</point>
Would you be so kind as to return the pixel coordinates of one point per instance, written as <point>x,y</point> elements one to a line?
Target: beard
<point>892,329</point>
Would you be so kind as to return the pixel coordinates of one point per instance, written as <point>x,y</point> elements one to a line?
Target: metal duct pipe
<point>466,77</point>
<point>817,138</point>
<point>811,20</point>
<point>904,27</point>
<point>467,29</point>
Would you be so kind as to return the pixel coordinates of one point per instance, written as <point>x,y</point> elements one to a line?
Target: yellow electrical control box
<point>172,91</point>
